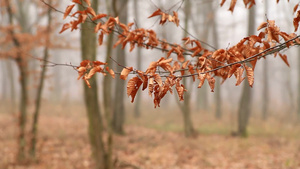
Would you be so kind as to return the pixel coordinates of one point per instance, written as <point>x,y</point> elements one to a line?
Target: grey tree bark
<point>185,108</point>
<point>265,93</point>
<point>101,157</point>
<point>246,98</point>
<point>137,106</point>
<point>119,9</point>
<point>34,126</point>
<point>22,66</point>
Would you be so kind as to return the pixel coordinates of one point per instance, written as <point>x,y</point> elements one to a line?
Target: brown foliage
<point>163,74</point>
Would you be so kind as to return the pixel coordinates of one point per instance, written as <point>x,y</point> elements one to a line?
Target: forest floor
<point>155,142</point>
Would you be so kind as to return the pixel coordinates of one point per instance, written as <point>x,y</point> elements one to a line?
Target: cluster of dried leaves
<point>163,74</point>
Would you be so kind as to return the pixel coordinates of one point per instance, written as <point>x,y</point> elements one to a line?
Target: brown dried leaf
<point>98,63</point>
<point>233,69</point>
<point>100,39</point>
<point>99,16</point>
<point>211,82</point>
<point>93,71</point>
<point>77,1</point>
<point>125,72</point>
<point>133,86</point>
<point>202,78</point>
<point>157,79</point>
<point>65,27</point>
<point>110,71</point>
<point>284,58</point>
<point>296,21</point>
<point>156,13</point>
<point>239,76</point>
<point>295,8</point>
<point>232,5</point>
<point>250,75</point>
<point>262,25</point>
<point>192,71</point>
<point>88,2</point>
<point>68,10</point>
<point>222,3</point>
<point>91,11</point>
<point>180,90</point>
<point>81,72</point>
<point>175,18</point>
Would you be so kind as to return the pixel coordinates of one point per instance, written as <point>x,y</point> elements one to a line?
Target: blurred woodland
<point>49,119</point>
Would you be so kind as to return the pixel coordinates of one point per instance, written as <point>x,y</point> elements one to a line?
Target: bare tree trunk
<point>137,106</point>
<point>119,9</point>
<point>189,130</point>
<point>34,127</point>
<point>298,99</point>
<point>3,94</point>
<point>203,30</point>
<point>12,85</point>
<point>23,106</point>
<point>246,99</point>
<point>22,66</point>
<point>88,51</point>
<point>218,101</point>
<point>265,93</point>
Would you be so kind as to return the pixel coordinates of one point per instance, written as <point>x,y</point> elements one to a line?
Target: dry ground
<point>155,144</point>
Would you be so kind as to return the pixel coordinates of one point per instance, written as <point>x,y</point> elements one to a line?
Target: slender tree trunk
<point>137,106</point>
<point>22,66</point>
<point>34,127</point>
<point>246,99</point>
<point>120,9</point>
<point>203,32</point>
<point>265,96</point>
<point>298,99</point>
<point>12,85</point>
<point>218,101</point>
<point>189,130</point>
<point>101,158</point>
<point>107,80</point>
<point>3,95</point>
